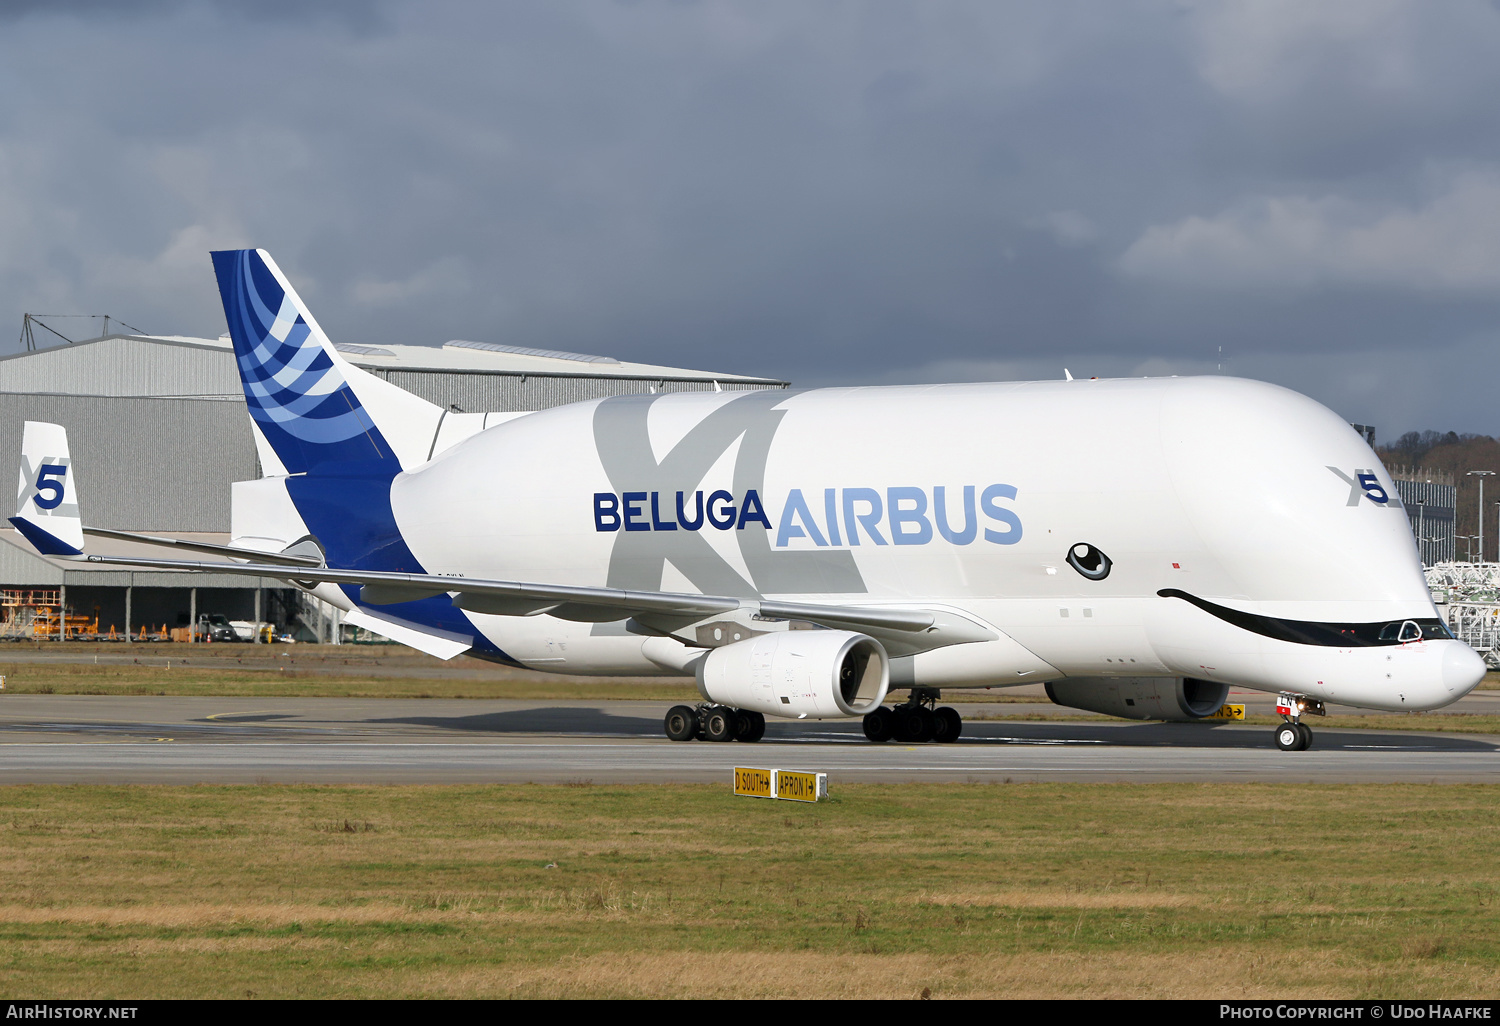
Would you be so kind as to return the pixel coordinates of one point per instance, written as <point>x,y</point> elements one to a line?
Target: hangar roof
<point>178,365</point>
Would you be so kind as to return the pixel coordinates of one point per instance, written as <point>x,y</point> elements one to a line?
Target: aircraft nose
<point>1462,669</point>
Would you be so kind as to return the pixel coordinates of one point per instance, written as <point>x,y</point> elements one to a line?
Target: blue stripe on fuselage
<point>347,507</point>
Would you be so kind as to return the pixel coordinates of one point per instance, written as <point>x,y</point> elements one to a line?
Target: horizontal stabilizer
<point>424,639</point>
<point>282,558</point>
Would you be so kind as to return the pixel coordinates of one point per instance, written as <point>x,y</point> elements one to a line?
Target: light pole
<point>1481,474</point>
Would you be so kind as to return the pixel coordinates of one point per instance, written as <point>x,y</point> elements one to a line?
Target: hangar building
<point>158,430</point>
<point>1429,497</point>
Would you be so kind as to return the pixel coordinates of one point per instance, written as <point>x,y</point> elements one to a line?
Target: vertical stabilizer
<point>47,495</point>
<point>311,405</point>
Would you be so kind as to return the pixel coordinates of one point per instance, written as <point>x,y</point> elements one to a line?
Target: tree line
<point>1457,454</point>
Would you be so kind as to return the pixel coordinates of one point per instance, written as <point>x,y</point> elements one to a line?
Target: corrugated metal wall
<point>123,367</point>
<point>144,464</point>
<point>20,566</point>
<point>503,393</point>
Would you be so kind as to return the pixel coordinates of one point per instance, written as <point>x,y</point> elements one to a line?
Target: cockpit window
<point>1328,635</point>
<point>1433,630</point>
<point>1402,632</point>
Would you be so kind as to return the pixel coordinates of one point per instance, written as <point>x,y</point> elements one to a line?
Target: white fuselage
<point>1234,491</point>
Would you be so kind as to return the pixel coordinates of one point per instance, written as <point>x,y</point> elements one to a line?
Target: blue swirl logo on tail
<point>296,393</point>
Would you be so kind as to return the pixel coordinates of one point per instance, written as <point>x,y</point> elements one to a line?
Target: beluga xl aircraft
<point>1138,545</point>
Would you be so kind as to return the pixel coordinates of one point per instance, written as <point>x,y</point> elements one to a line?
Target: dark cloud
<point>821,191</point>
<point>360,14</point>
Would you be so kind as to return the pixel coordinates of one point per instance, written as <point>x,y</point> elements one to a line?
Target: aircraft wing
<point>664,610</point>
<point>285,558</point>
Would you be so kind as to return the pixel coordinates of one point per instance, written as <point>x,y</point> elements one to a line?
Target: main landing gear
<point>916,720</point>
<point>713,723</point>
<point>1292,735</point>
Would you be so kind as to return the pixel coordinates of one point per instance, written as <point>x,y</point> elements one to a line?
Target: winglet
<point>47,494</point>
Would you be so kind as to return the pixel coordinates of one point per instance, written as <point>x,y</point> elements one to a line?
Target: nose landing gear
<point>1293,735</point>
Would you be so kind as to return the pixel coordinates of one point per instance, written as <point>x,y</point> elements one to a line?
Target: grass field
<point>888,891</point>
<point>309,682</point>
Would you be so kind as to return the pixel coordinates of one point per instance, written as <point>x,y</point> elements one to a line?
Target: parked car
<point>216,627</point>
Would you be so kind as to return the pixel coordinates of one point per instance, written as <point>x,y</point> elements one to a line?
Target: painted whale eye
<point>1089,561</point>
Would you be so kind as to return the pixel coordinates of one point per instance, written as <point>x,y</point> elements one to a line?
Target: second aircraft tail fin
<point>47,497</point>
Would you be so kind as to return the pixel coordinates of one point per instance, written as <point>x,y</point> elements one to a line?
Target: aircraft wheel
<point>681,723</point>
<point>1307,736</point>
<point>880,724</point>
<point>898,725</point>
<point>719,723</point>
<point>949,725</point>
<point>1289,738</point>
<point>749,726</point>
<point>917,724</point>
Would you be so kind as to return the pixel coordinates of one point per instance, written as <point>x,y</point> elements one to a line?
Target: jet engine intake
<point>1180,699</point>
<point>799,674</point>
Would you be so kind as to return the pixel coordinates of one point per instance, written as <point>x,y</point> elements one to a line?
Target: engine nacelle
<point>799,674</point>
<point>1182,699</point>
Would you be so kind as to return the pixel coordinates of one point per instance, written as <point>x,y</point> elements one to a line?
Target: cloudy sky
<point>828,192</point>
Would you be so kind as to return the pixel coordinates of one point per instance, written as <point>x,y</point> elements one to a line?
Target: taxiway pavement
<point>147,739</point>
